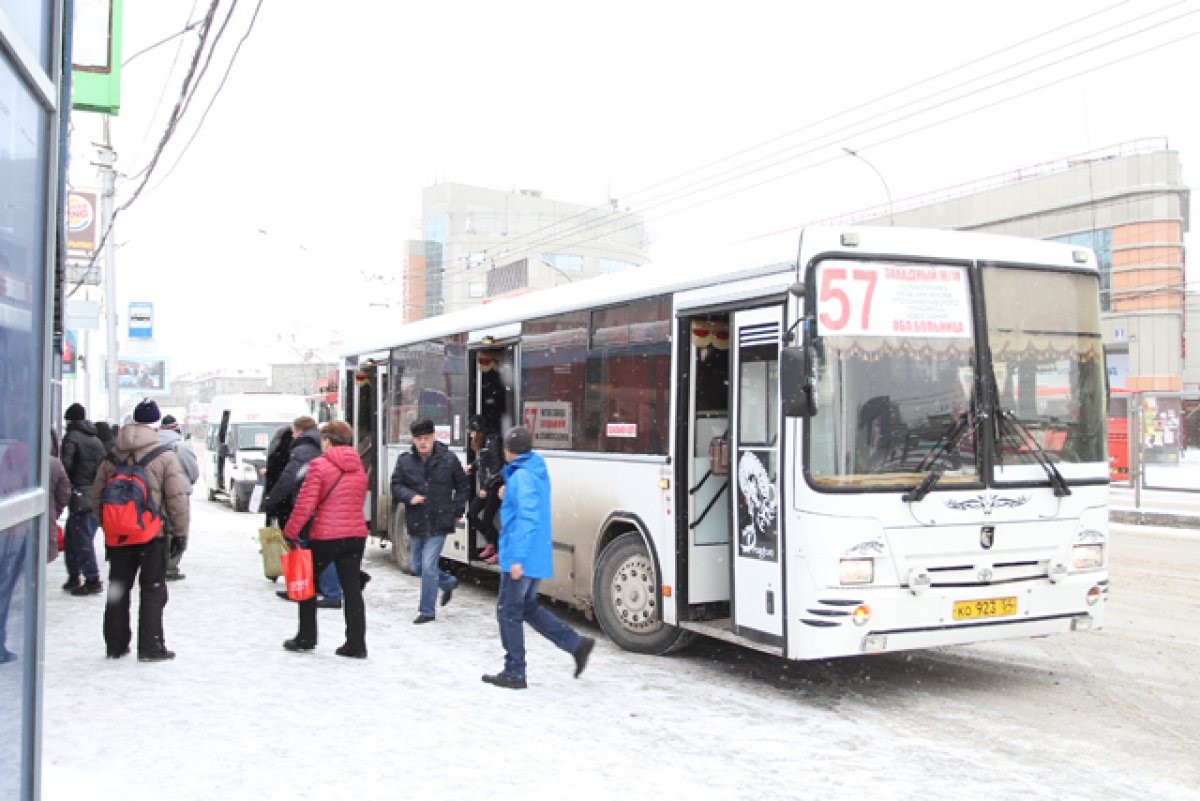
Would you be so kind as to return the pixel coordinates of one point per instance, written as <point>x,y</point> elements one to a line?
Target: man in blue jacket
<point>429,480</point>
<point>525,559</point>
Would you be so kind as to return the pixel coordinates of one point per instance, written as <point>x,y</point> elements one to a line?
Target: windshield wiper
<point>1026,438</point>
<point>921,490</point>
<point>946,446</point>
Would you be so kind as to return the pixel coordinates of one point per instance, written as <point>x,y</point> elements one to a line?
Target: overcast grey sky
<point>333,121</point>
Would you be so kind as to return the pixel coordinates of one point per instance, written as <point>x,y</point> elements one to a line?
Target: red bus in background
<point>1118,434</point>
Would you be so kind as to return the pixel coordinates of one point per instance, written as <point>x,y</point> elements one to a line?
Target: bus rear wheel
<point>627,599</point>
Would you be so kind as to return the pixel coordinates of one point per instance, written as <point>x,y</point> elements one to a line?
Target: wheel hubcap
<point>634,599</point>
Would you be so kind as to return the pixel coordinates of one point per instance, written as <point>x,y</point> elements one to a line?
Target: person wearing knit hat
<point>143,567</point>
<point>146,412</point>
<point>525,559</point>
<point>81,453</point>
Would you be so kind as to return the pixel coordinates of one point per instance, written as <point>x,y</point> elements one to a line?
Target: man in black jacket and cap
<point>81,454</point>
<point>430,482</point>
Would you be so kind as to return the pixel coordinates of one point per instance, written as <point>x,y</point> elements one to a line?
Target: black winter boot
<point>297,644</point>
<point>89,588</point>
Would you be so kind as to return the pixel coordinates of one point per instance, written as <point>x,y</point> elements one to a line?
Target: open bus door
<point>493,399</point>
<point>755,471</point>
<point>366,391</point>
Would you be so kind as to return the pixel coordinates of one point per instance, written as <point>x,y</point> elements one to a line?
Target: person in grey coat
<point>168,434</point>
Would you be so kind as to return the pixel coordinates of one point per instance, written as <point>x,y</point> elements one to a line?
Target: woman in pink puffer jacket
<point>330,506</point>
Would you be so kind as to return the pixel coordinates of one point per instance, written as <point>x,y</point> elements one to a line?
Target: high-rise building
<point>1127,202</point>
<point>480,244</point>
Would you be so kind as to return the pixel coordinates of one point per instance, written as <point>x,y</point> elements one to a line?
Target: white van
<point>240,428</point>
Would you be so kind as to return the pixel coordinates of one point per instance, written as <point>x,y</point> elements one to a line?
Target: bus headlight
<point>1087,557</point>
<point>856,571</point>
<point>249,472</point>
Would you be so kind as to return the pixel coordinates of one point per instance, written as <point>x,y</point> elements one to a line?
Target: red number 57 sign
<point>888,300</point>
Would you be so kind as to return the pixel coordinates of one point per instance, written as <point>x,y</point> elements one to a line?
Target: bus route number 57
<point>834,300</point>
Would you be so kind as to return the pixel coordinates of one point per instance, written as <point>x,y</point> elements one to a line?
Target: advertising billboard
<point>144,375</point>
<point>96,56</point>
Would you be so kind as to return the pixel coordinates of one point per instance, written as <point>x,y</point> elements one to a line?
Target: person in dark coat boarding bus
<point>431,483</point>
<point>332,498</point>
<point>485,467</point>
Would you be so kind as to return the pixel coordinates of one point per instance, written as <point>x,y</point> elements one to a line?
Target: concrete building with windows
<point>480,244</point>
<point>1130,204</point>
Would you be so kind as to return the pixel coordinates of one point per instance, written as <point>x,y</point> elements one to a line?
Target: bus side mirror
<point>797,393</point>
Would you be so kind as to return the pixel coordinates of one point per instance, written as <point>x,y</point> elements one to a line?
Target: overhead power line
<point>881,127</point>
<point>659,199</point>
<point>205,50</point>
<point>225,77</point>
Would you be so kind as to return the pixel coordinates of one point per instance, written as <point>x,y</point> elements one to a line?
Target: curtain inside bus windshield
<point>895,375</point>
<point>1048,365</point>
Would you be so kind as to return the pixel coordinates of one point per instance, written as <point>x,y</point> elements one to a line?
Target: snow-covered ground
<point>237,717</point>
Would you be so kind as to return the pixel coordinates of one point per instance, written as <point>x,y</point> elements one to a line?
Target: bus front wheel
<point>627,599</point>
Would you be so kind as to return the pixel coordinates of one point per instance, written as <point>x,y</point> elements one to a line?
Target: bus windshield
<point>895,376</point>
<point>1048,367</point>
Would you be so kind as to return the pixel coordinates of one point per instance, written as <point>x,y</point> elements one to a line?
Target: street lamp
<point>863,159</point>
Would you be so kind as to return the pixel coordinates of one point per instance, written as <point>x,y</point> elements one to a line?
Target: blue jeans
<point>328,584</point>
<point>518,604</point>
<point>78,542</point>
<point>425,552</point>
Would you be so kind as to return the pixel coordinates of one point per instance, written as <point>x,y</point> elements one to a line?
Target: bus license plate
<point>987,607</point>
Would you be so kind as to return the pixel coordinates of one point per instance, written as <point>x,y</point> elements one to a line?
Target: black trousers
<point>482,514</point>
<point>146,564</point>
<point>346,554</point>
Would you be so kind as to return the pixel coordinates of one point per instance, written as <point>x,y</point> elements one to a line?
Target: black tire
<point>240,501</point>
<point>627,602</point>
<point>401,547</point>
<point>212,494</point>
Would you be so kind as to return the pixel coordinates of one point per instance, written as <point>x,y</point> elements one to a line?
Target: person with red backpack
<point>136,488</point>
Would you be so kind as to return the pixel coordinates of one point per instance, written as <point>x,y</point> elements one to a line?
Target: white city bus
<point>896,442</point>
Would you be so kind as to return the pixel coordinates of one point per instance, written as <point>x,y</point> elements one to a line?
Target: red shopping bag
<point>298,574</point>
<point>62,545</point>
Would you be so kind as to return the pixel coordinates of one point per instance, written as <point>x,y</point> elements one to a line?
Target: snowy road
<point>1112,714</point>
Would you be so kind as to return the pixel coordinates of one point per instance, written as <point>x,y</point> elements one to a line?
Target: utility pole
<point>106,159</point>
